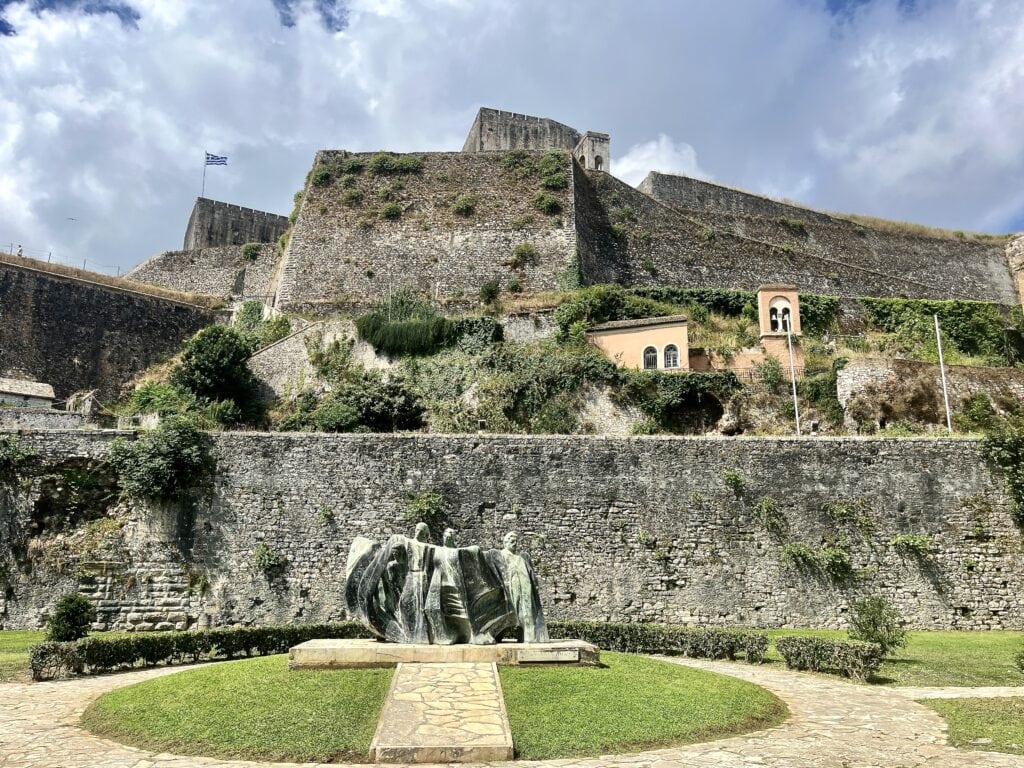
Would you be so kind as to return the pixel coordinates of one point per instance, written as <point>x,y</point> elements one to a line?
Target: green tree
<point>162,463</point>
<point>71,618</point>
<point>213,367</point>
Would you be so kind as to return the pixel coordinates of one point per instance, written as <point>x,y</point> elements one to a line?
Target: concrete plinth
<point>335,654</point>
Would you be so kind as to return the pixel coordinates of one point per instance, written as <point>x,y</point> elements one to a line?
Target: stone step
<point>443,713</point>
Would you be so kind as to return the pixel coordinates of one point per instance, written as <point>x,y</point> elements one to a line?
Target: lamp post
<point>942,373</point>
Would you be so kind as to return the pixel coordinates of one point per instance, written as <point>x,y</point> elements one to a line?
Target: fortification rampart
<point>222,271</point>
<point>359,236</point>
<point>624,529</point>
<point>659,244</point>
<point>494,130</point>
<point>213,223</point>
<point>697,195</point>
<point>75,334</point>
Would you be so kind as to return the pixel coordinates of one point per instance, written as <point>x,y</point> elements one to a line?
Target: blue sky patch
<point>128,15</point>
<point>333,13</point>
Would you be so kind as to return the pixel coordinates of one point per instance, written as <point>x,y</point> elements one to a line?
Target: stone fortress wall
<point>668,245</point>
<point>213,223</point>
<point>75,334</point>
<point>214,271</point>
<point>622,529</point>
<point>671,230</point>
<point>497,130</point>
<point>348,251</point>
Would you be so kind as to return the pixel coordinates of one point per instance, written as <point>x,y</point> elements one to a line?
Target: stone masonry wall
<point>661,245</point>
<point>494,130</point>
<point>213,223</point>
<point>75,334</point>
<point>1003,385</point>
<point>625,529</point>
<point>222,271</point>
<point>347,251</point>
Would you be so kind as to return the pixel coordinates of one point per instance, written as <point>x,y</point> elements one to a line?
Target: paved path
<point>440,713</point>
<point>833,724</point>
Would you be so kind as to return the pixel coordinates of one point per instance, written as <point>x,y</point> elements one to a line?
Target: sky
<point>906,109</point>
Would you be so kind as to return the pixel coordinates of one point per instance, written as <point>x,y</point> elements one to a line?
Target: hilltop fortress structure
<point>451,221</point>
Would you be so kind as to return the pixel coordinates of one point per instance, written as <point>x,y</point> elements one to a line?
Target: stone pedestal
<point>338,654</point>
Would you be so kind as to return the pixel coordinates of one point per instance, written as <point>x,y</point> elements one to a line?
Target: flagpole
<point>203,193</point>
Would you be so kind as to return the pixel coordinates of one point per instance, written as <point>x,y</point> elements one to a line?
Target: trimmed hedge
<point>668,639</point>
<point>98,653</point>
<point>850,658</point>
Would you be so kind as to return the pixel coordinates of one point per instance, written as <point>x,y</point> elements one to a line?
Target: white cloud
<point>661,154</point>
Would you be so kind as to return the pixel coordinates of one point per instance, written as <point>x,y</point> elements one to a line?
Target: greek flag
<point>216,159</point>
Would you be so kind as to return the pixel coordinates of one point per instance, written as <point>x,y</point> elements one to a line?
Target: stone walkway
<point>833,724</point>
<point>440,713</point>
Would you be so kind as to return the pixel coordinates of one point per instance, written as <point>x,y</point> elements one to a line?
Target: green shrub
<point>681,402</point>
<point>818,314</point>
<point>391,211</point>
<point>668,639</point>
<point>617,231</point>
<point>158,397</point>
<point>515,285</point>
<point>1004,454</point>
<point>250,251</point>
<point>769,373</point>
<point>214,367</point>
<point>352,165</point>
<point>798,556</point>
<point>603,303</point>
<point>425,507</point>
<point>385,163</point>
<point>524,255</point>
<point>100,654</point>
<point>490,291</point>
<point>734,482</point>
<point>13,457</point>
<point>162,463</point>
<point>558,416</point>
<point>720,301</point>
<point>322,176</point>
<point>352,197</point>
<point>912,543</point>
<point>463,205</point>
<point>972,327</point>
<point>556,180</point>
<point>269,561</point>
<point>857,660</point>
<point>547,203</point>
<point>771,516</point>
<point>414,336</point>
<point>875,620</point>
<point>349,180</point>
<point>977,414</point>
<point>51,660</point>
<point>71,619</point>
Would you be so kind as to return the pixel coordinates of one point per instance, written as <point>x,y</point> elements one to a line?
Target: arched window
<point>780,315</point>
<point>650,358</point>
<point>671,356</point>
<point>598,162</point>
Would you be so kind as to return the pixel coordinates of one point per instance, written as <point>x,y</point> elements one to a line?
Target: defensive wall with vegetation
<point>167,530</point>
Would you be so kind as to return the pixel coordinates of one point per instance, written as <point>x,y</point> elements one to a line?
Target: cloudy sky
<point>908,109</point>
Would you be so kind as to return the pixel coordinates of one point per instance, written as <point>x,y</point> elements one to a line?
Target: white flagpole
<point>792,375</point>
<point>203,193</point>
<point>942,372</point>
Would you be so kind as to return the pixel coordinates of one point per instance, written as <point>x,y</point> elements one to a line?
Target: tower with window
<point>778,310</point>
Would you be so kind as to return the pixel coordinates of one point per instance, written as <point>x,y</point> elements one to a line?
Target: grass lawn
<point>999,720</point>
<point>635,703</point>
<point>253,709</point>
<point>943,658</point>
<point>14,647</point>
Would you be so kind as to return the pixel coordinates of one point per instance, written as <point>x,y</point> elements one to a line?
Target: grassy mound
<point>634,704</point>
<point>254,709</point>
<point>998,724</point>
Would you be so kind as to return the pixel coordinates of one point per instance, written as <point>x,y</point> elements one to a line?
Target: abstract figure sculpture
<point>412,591</point>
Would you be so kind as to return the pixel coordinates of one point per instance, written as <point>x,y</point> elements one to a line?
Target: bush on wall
<point>406,324</point>
<point>162,463</point>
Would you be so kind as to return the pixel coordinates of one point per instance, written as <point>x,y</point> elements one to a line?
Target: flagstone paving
<point>443,712</point>
<point>833,724</point>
